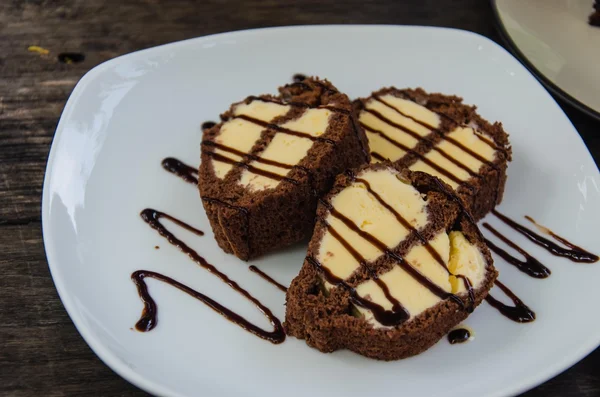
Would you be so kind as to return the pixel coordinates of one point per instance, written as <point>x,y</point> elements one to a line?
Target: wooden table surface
<point>41,352</point>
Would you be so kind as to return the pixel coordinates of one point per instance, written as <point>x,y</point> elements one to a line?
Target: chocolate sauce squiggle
<point>266,277</point>
<point>519,313</point>
<point>575,253</point>
<point>182,170</point>
<point>530,265</point>
<point>148,320</point>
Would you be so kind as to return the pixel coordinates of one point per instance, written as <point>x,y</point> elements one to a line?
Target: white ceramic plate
<point>127,114</point>
<point>555,40</point>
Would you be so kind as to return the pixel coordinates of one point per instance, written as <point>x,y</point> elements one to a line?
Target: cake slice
<point>440,135</point>
<point>264,166</point>
<point>394,263</point>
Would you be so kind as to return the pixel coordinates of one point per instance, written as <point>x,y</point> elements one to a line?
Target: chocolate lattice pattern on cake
<point>279,144</point>
<point>438,135</point>
<point>393,203</point>
<point>265,165</point>
<point>401,250</point>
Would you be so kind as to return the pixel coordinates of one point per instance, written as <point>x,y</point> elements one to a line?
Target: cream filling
<point>467,136</point>
<point>365,211</point>
<point>241,134</point>
<point>369,215</point>
<point>460,257</point>
<point>384,147</point>
<point>465,259</point>
<point>261,110</point>
<point>237,134</point>
<point>287,149</point>
<point>413,296</point>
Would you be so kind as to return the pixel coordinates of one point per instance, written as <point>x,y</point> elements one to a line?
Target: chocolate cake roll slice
<point>395,262</point>
<point>440,135</point>
<point>264,166</point>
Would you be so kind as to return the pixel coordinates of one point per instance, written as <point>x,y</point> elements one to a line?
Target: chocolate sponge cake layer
<point>266,163</point>
<point>394,263</point>
<point>440,135</point>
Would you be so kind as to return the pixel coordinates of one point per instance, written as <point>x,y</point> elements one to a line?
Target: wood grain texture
<point>41,353</point>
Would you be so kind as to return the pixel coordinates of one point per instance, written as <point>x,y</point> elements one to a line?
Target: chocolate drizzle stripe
<point>420,156</point>
<point>520,312</point>
<point>379,156</point>
<point>456,162</point>
<point>452,196</point>
<point>432,251</point>
<point>384,317</point>
<point>178,222</point>
<point>250,156</point>
<point>251,168</point>
<point>436,131</point>
<point>351,250</point>
<point>575,253</point>
<point>401,220</point>
<point>396,305</point>
<point>530,266</point>
<point>489,142</point>
<point>469,287</point>
<point>467,150</point>
<point>396,125</point>
<point>583,255</point>
<point>566,242</point>
<point>268,278</point>
<point>148,321</point>
<point>182,170</point>
<point>418,276</point>
<point>408,116</point>
<point>284,130</point>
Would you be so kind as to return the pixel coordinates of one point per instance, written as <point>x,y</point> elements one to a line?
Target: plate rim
<point>151,386</point>
<point>548,84</point>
